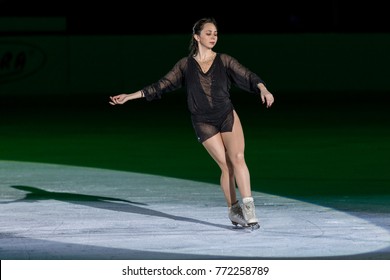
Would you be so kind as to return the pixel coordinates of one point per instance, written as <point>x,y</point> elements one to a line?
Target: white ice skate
<point>236,216</point>
<point>249,212</point>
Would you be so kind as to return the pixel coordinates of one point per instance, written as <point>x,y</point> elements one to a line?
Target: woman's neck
<point>204,56</point>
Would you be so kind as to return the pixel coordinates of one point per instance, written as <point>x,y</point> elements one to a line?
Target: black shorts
<point>206,130</point>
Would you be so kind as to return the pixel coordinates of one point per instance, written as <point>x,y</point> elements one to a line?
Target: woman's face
<point>208,36</point>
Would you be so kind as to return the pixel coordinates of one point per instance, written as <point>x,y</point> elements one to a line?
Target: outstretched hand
<point>118,99</point>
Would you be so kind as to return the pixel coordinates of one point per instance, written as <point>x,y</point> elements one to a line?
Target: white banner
<point>195,269</point>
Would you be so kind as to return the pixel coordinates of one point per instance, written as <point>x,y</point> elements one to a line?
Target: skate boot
<point>249,212</point>
<point>236,215</point>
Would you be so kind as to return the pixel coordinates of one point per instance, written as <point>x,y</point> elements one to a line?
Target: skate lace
<point>248,207</point>
<point>237,210</point>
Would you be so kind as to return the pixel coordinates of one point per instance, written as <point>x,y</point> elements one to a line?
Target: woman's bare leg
<point>235,145</point>
<point>227,149</point>
<point>215,147</point>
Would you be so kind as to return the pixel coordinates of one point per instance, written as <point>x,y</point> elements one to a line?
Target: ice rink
<point>58,212</point>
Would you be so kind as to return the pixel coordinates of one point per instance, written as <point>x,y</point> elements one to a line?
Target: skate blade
<point>238,226</point>
<point>250,227</point>
<point>254,226</point>
<point>247,228</point>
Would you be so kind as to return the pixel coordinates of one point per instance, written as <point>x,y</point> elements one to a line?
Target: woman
<point>207,77</point>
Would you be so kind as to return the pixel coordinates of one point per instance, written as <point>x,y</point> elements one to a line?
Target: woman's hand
<point>118,99</point>
<point>267,98</point>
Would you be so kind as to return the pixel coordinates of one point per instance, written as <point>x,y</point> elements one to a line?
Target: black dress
<point>208,97</point>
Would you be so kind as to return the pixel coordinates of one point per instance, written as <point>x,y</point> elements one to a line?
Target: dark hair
<point>196,29</point>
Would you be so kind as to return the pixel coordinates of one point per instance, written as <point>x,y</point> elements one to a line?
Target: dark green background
<point>327,133</point>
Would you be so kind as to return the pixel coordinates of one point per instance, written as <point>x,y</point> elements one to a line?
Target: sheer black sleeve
<point>241,76</point>
<point>171,81</point>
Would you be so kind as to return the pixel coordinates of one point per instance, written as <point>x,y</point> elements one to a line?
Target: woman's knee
<point>224,167</point>
<point>238,158</point>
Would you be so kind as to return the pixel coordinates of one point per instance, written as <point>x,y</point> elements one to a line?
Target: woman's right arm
<point>171,81</point>
<point>124,97</point>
